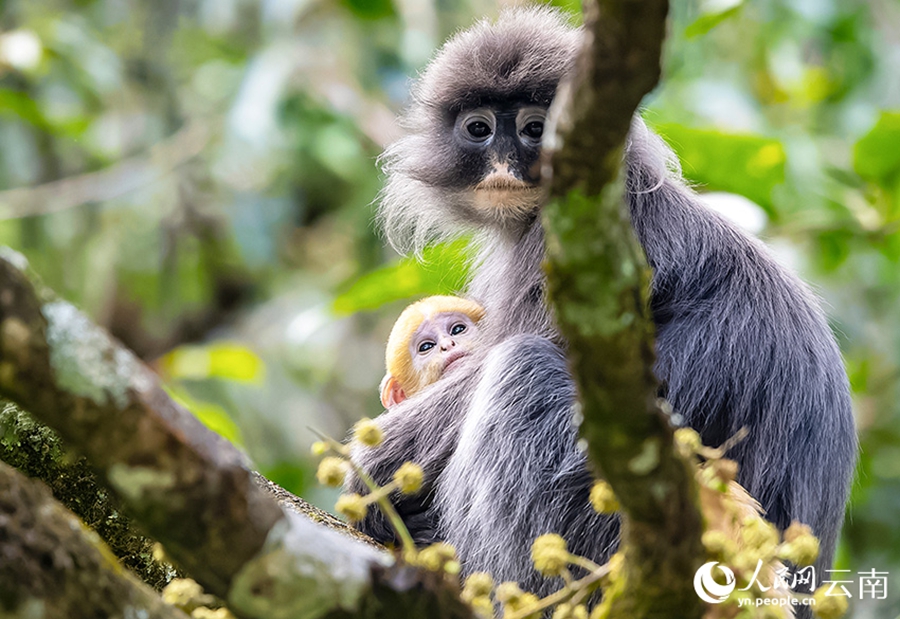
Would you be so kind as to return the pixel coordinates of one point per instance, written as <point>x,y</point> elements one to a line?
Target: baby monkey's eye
<point>426,346</point>
<point>457,328</point>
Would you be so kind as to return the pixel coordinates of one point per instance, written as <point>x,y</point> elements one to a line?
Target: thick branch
<point>36,450</point>
<point>51,567</point>
<point>186,486</point>
<point>599,280</point>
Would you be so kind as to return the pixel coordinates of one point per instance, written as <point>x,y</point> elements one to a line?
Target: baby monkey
<point>427,338</point>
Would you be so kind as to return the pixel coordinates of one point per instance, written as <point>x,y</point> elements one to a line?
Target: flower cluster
<point>739,537</point>
<point>736,535</point>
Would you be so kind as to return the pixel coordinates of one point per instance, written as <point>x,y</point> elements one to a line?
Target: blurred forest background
<point>198,176</point>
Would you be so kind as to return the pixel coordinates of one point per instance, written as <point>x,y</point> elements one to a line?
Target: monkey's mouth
<point>502,195</point>
<point>500,181</point>
<point>453,358</point>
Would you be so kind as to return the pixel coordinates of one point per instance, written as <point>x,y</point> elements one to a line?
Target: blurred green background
<point>198,176</point>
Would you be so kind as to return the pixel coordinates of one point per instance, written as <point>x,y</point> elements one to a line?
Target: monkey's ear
<point>391,391</point>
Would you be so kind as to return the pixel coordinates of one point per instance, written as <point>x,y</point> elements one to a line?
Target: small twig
<point>577,590</point>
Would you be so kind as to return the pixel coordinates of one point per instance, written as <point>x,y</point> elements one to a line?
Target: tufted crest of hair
<point>397,356</point>
<point>522,55</point>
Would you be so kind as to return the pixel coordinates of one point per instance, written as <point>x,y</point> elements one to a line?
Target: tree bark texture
<point>52,566</point>
<point>599,285</point>
<point>187,487</point>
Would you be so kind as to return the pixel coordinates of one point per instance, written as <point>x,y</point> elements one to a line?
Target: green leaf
<point>370,9</point>
<point>833,248</point>
<point>24,107</point>
<point>748,165</point>
<point>223,360</point>
<point>876,156</point>
<point>292,476</point>
<point>708,21</point>
<point>210,415</point>
<point>443,269</point>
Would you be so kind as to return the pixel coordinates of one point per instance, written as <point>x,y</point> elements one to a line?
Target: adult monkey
<point>740,341</point>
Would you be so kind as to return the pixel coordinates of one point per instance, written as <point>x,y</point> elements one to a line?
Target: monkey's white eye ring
<point>477,126</point>
<point>425,346</point>
<point>457,328</point>
<point>530,123</point>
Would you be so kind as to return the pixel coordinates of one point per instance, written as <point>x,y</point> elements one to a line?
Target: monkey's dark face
<point>471,156</point>
<point>500,147</point>
<point>495,155</point>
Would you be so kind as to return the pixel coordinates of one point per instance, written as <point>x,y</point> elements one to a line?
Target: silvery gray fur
<point>741,342</point>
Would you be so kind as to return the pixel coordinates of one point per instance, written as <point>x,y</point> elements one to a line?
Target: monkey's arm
<point>422,429</point>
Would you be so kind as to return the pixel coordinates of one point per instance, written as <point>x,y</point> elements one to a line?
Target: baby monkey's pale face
<point>440,341</point>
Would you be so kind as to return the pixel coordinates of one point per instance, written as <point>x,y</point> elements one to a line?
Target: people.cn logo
<point>706,586</point>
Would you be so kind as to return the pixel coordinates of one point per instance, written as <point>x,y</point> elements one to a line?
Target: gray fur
<point>741,342</point>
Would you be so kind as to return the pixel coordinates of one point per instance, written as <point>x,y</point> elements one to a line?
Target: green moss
<point>37,451</point>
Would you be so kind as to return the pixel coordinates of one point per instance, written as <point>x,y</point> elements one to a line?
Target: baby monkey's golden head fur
<point>427,338</point>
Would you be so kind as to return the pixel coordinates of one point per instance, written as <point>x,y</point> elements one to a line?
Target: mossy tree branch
<point>51,567</point>
<point>37,451</point>
<point>599,282</point>
<point>185,486</point>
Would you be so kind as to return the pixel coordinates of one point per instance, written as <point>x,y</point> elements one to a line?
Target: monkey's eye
<point>426,346</point>
<point>534,129</point>
<point>476,125</point>
<point>530,122</point>
<point>478,129</point>
<point>457,328</point>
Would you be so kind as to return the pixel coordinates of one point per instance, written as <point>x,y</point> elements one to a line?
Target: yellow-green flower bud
<point>688,442</point>
<point>508,592</point>
<point>603,498</point>
<point>185,594</point>
<point>436,557</point>
<point>800,546</point>
<point>803,550</point>
<point>409,477</point>
<point>797,529</point>
<point>208,613</point>
<point>828,606</point>
<point>726,470</point>
<point>332,471</point>
<point>567,611</point>
<point>563,611</point>
<point>483,607</point>
<point>760,536</point>
<point>319,448</point>
<point>352,506</point>
<point>549,554</point>
<point>478,584</point>
<point>718,544</point>
<point>367,432</point>
<point>524,602</point>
